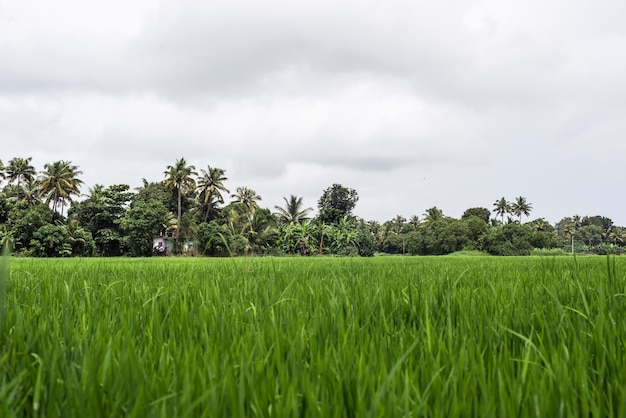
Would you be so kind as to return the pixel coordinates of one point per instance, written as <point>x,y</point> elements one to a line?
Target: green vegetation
<point>187,214</point>
<point>383,336</point>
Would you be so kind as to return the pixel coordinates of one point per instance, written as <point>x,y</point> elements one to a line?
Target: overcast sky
<point>414,104</point>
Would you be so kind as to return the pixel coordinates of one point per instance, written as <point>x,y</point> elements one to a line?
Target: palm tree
<point>618,235</point>
<point>501,208</point>
<point>32,192</point>
<point>20,169</point>
<point>433,214</point>
<point>292,213</point>
<point>211,184</point>
<point>2,170</point>
<point>179,179</point>
<point>520,207</point>
<point>248,198</point>
<point>59,182</point>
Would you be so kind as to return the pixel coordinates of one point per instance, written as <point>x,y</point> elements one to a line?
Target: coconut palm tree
<point>18,170</point>
<point>292,212</point>
<point>2,171</point>
<point>179,179</point>
<point>32,192</point>
<point>433,214</point>
<point>210,185</point>
<point>501,208</point>
<point>59,182</point>
<point>520,207</point>
<point>247,197</point>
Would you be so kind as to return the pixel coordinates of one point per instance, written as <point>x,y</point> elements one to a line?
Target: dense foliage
<point>190,211</point>
<point>324,337</point>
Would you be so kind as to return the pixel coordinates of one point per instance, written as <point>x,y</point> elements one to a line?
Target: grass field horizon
<point>322,336</point>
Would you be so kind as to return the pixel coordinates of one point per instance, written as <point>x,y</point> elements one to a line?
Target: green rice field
<point>313,337</point>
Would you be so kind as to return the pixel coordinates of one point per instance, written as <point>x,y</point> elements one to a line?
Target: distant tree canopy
<point>481,213</point>
<point>336,202</point>
<point>188,212</point>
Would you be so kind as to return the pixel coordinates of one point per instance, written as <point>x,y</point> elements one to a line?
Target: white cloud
<point>450,103</point>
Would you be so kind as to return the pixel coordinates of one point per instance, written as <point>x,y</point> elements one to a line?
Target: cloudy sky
<point>415,104</point>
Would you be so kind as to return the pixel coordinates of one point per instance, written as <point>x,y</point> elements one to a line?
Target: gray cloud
<point>451,103</point>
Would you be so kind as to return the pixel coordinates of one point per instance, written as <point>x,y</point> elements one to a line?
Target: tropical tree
<point>18,170</point>
<point>521,207</point>
<point>32,192</point>
<point>344,235</point>
<point>292,212</point>
<point>248,198</point>
<point>433,214</point>
<point>397,224</point>
<point>501,208</point>
<point>211,186</point>
<point>179,180</point>
<point>59,182</point>
<point>262,232</point>
<point>2,171</point>
<point>617,236</point>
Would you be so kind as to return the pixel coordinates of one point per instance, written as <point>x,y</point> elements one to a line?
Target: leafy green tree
<point>18,170</point>
<point>5,207</point>
<point>62,241</point>
<point>501,208</point>
<point>521,207</point>
<point>438,237</point>
<point>395,244</point>
<point>179,180</point>
<point>24,220</point>
<point>60,182</point>
<point>397,224</point>
<point>150,190</point>
<point>476,230</point>
<point>213,239</point>
<point>292,212</point>
<point>80,240</point>
<point>100,214</point>
<point>211,186</point>
<point>140,224</point>
<point>511,239</point>
<point>414,221</point>
<point>590,234</point>
<point>544,239</point>
<point>481,213</point>
<point>51,241</point>
<point>336,202</point>
<point>605,224</point>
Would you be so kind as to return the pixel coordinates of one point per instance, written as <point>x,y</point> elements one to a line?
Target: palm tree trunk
<point>179,220</point>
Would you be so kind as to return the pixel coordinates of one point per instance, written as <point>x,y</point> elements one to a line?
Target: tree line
<point>44,214</point>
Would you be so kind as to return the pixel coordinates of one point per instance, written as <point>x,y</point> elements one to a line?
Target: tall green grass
<point>396,336</point>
